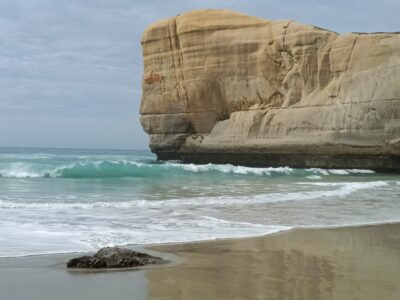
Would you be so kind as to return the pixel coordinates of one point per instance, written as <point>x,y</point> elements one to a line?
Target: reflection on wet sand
<point>306,264</point>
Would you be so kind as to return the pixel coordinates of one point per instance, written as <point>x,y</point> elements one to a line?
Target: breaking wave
<point>125,168</point>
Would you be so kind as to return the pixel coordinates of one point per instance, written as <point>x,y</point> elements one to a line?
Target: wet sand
<point>360,263</point>
<point>45,277</point>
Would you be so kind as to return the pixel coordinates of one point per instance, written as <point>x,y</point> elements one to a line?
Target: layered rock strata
<point>223,87</point>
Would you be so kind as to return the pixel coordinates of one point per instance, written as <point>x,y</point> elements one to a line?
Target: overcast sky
<point>70,70</point>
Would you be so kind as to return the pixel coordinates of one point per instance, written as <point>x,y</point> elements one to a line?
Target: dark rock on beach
<point>114,257</point>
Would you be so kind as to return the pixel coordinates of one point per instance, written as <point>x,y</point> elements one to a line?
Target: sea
<point>74,200</point>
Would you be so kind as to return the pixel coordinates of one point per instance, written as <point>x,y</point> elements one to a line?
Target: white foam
<point>314,177</point>
<point>19,170</point>
<point>229,169</point>
<point>342,189</point>
<point>339,172</point>
<point>360,171</point>
<point>318,171</point>
<point>39,239</point>
<point>327,172</point>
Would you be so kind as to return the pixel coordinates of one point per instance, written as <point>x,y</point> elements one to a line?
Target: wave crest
<point>143,169</point>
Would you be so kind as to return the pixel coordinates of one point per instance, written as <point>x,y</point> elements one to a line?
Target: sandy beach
<point>310,264</point>
<point>328,263</point>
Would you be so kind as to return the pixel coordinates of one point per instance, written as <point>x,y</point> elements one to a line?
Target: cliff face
<point>224,87</point>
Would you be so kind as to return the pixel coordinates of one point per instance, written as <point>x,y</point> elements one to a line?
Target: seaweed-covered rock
<point>114,257</point>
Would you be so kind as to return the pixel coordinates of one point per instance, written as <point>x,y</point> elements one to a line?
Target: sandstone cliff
<point>224,87</point>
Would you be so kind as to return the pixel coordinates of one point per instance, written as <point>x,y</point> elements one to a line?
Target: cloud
<point>81,59</point>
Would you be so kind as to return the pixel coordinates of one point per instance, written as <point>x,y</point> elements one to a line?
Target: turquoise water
<point>65,200</point>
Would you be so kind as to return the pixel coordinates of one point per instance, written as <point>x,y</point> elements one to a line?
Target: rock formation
<point>114,257</point>
<point>223,87</point>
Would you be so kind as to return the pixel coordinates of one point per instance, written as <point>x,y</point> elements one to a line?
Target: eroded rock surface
<point>224,87</point>
<point>113,257</point>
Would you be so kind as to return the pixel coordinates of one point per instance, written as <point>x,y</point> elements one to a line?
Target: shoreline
<point>334,262</point>
<point>148,247</point>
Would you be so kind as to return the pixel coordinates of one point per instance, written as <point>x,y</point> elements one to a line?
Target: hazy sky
<point>70,70</point>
